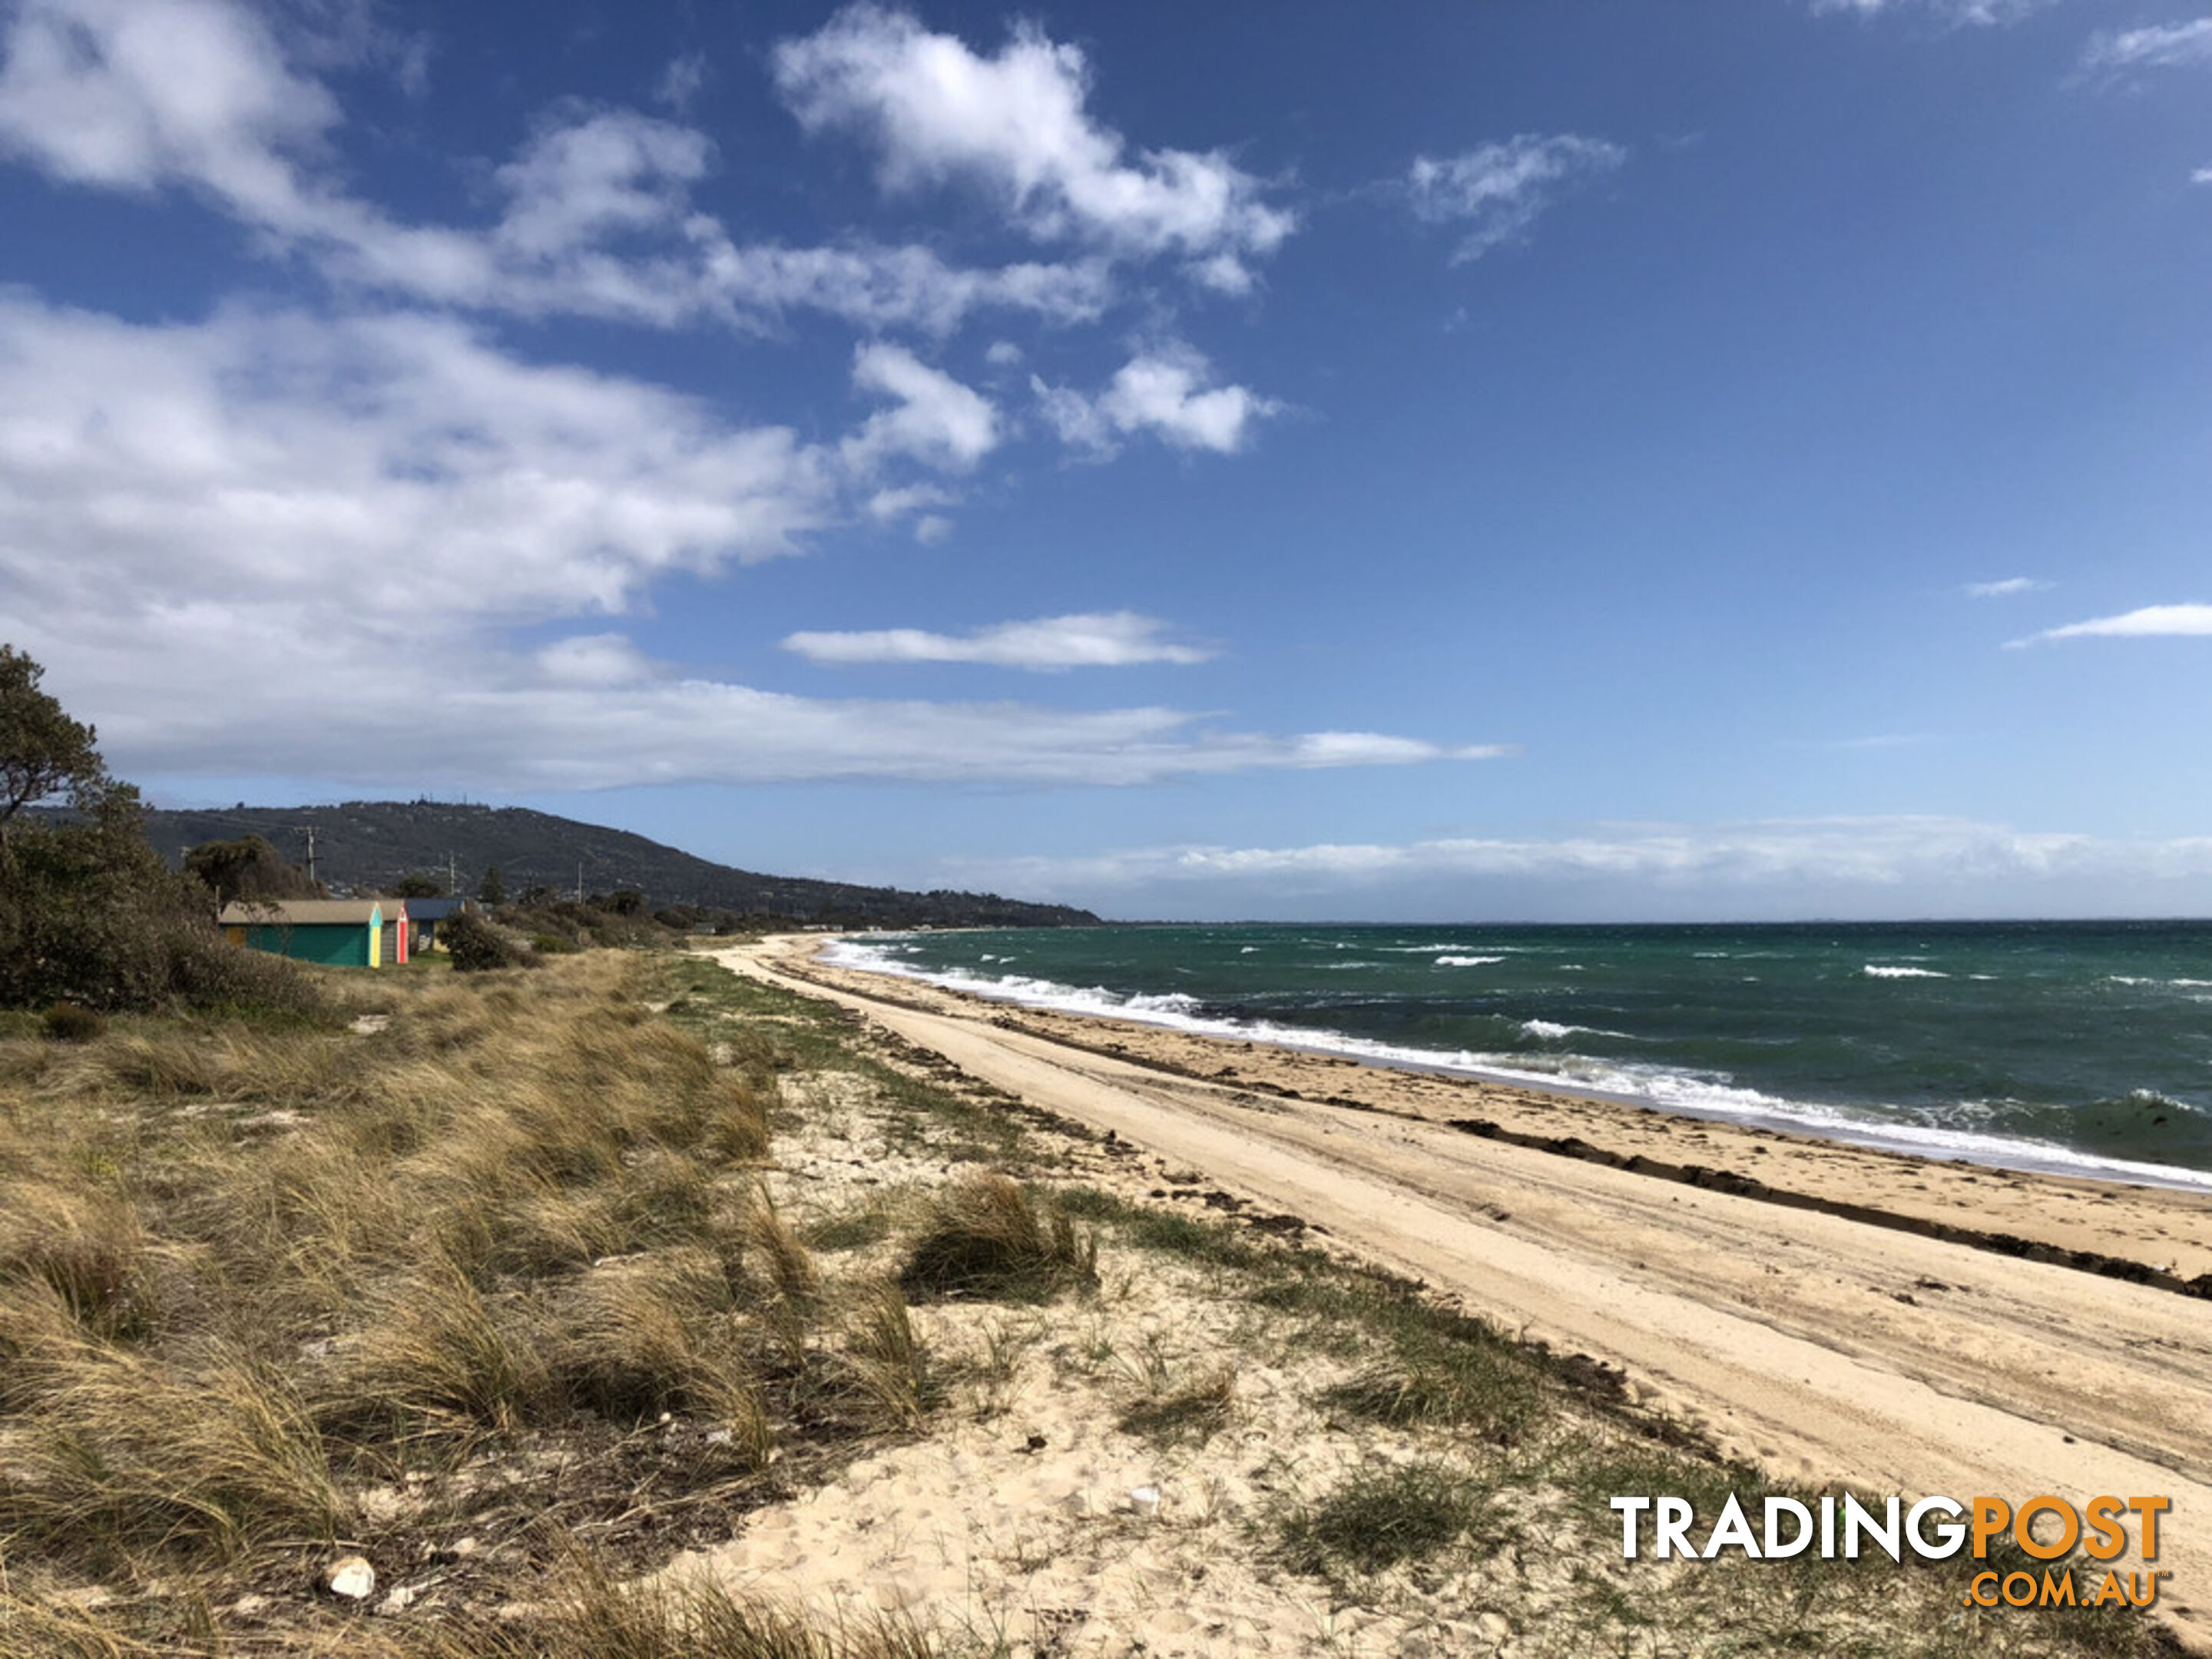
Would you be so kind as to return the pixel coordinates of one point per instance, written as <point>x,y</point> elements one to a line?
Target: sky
<point>1604,460</point>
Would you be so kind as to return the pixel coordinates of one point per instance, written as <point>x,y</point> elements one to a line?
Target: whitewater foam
<point>1883,970</point>
<point>1692,1094</point>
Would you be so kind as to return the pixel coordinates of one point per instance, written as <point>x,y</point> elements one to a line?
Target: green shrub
<point>71,1022</point>
<point>476,946</point>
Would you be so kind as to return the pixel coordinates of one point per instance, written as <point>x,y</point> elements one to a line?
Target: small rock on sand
<point>350,1578</point>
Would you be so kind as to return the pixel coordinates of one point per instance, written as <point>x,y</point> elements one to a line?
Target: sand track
<point>1820,1348</point>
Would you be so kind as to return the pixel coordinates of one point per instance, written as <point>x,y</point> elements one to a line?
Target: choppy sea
<point>2080,1048</point>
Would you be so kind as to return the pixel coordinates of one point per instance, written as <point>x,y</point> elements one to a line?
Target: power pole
<point>311,855</point>
<point>580,881</point>
<point>453,881</point>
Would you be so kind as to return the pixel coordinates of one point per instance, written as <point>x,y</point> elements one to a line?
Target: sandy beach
<point>1830,1314</point>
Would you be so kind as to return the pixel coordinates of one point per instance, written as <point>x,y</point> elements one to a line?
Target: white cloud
<point>365,463</point>
<point>590,659</point>
<point>1108,639</point>
<point>131,95</point>
<point>681,82</point>
<point>1857,866</point>
<point>1499,189</point>
<point>1165,392</point>
<point>146,94</point>
<point>2201,176</point>
<point>2163,46</point>
<point>936,421</point>
<point>2153,621</point>
<point>889,506</point>
<point>609,174</point>
<point>261,542</point>
<point>1955,12</point>
<point>2006,589</point>
<point>1016,125</point>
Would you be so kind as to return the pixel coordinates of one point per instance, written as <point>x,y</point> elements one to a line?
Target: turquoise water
<point>2080,1047</point>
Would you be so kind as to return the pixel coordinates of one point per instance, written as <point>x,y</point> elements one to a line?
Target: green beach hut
<point>339,932</point>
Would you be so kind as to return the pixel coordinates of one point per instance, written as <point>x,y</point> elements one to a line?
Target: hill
<point>371,844</point>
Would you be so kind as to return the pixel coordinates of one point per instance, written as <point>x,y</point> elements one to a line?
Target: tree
<point>247,868</point>
<point>492,890</point>
<point>415,884</point>
<point>43,752</point>
<point>89,913</point>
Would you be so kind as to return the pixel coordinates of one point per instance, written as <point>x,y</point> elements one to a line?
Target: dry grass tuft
<point>128,1453</point>
<point>769,1239</point>
<point>633,1339</point>
<point>1191,1414</point>
<point>85,1243</point>
<point>31,1629</point>
<point>986,1239</point>
<point>438,1362</point>
<point>594,1617</point>
<point>882,1375</point>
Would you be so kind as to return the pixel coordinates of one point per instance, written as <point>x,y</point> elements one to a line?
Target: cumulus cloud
<point>2162,45</point>
<point>1166,392</point>
<point>2004,589</point>
<point>1105,640</point>
<point>1016,125</point>
<point>2152,621</point>
<point>935,419</point>
<point>1498,189</point>
<point>372,507</point>
<point>142,95</point>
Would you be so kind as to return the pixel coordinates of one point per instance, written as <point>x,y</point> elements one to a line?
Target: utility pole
<point>453,881</point>
<point>580,881</point>
<point>311,855</point>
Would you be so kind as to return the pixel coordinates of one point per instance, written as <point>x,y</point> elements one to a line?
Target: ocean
<point>2078,1048</point>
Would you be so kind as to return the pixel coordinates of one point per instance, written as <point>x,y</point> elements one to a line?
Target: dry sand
<point>1813,1322</point>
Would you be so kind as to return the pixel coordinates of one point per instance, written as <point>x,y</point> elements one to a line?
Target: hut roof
<point>280,913</point>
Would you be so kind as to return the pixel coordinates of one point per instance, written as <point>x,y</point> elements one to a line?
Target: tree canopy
<point>89,913</point>
<point>247,868</point>
<point>44,753</point>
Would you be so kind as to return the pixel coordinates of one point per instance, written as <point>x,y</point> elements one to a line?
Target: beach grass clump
<point>83,1242</point>
<point>853,1228</point>
<point>878,1378</point>
<point>200,1456</point>
<point>593,1614</point>
<point>633,1339</point>
<point>1190,1414</point>
<point>31,1628</point>
<point>439,1361</point>
<point>1383,1517</point>
<point>988,1238</point>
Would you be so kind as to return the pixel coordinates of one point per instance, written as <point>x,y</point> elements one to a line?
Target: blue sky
<point>1596,461</point>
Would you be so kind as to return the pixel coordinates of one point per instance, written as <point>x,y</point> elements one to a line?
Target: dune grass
<point>989,1238</point>
<point>512,1267</point>
<point>510,1237</point>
